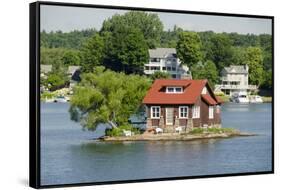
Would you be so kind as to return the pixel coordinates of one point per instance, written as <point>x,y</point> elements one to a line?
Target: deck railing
<point>235,87</point>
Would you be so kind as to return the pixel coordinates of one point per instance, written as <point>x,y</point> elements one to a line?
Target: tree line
<point>123,41</point>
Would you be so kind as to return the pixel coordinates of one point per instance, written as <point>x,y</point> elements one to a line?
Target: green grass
<point>47,95</point>
<point>196,131</point>
<point>266,98</point>
<point>211,130</point>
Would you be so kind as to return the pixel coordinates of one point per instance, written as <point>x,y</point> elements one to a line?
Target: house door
<point>169,116</point>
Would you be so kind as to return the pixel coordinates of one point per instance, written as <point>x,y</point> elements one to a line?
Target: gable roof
<point>219,100</point>
<point>162,52</point>
<point>236,69</point>
<point>45,68</point>
<point>208,99</point>
<point>191,91</point>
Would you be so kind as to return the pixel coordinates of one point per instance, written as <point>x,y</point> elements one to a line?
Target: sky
<point>67,19</point>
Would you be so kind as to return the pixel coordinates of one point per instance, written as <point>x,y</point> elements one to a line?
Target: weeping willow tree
<point>107,97</point>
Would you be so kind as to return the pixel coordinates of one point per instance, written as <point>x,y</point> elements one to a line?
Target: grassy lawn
<point>212,130</point>
<point>266,98</point>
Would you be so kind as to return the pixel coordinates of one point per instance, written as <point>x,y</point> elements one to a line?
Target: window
<point>173,68</point>
<point>153,68</point>
<point>172,89</point>
<point>168,68</point>
<point>147,68</point>
<point>183,112</point>
<point>195,112</point>
<point>164,68</point>
<point>178,89</point>
<point>155,111</point>
<point>155,60</point>
<point>211,112</point>
<point>218,109</point>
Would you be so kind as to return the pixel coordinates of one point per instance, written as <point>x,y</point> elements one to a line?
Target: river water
<point>70,155</point>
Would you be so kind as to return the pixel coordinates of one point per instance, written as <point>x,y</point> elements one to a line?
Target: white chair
<point>159,130</point>
<point>127,133</point>
<point>178,129</point>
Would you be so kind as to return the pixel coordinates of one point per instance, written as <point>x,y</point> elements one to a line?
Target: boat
<point>256,99</point>
<point>240,97</point>
<point>60,99</point>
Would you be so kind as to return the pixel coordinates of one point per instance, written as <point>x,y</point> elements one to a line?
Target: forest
<point>123,41</point>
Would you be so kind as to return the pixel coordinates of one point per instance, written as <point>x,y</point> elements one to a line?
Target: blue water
<point>70,155</point>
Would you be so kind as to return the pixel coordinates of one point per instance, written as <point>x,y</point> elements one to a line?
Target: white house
<point>235,79</point>
<point>165,60</point>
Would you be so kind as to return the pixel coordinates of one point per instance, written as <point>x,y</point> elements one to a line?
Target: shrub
<point>46,95</point>
<point>115,132</point>
<point>219,93</point>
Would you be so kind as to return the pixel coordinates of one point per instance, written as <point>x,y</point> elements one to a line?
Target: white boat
<point>240,97</point>
<point>256,99</point>
<point>60,99</point>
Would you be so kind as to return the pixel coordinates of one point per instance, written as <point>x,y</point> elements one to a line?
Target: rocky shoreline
<point>175,136</point>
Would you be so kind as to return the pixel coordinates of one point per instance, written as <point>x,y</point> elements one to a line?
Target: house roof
<point>236,69</point>
<point>191,91</point>
<point>71,69</point>
<point>208,99</point>
<point>45,68</point>
<point>219,100</point>
<point>162,52</point>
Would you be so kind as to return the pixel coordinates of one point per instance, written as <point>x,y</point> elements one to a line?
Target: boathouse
<point>172,103</point>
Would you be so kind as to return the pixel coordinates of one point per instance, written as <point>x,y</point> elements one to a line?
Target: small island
<point>194,134</point>
<point>177,110</point>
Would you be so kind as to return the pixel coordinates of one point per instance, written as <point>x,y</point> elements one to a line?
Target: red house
<point>172,103</point>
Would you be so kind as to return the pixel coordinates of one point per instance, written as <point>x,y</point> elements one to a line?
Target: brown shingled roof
<point>219,100</point>
<point>207,98</point>
<point>191,91</point>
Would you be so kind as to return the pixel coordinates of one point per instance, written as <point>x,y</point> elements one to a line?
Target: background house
<point>181,103</point>
<point>44,70</point>
<point>73,73</point>
<point>165,60</point>
<point>234,79</point>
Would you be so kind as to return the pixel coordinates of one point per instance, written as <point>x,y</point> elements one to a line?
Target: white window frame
<point>174,89</point>
<point>218,109</point>
<point>180,111</point>
<point>151,112</point>
<point>211,112</point>
<point>195,112</point>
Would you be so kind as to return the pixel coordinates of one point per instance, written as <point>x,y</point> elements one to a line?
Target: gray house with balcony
<point>234,79</point>
<point>165,60</point>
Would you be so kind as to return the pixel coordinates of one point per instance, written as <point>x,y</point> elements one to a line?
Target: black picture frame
<point>34,93</point>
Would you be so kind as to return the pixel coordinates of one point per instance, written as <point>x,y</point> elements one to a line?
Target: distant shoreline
<point>265,99</point>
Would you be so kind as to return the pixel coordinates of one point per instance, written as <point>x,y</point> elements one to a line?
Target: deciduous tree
<point>107,97</point>
<point>92,53</point>
<point>207,71</point>
<point>253,58</point>
<point>189,48</point>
